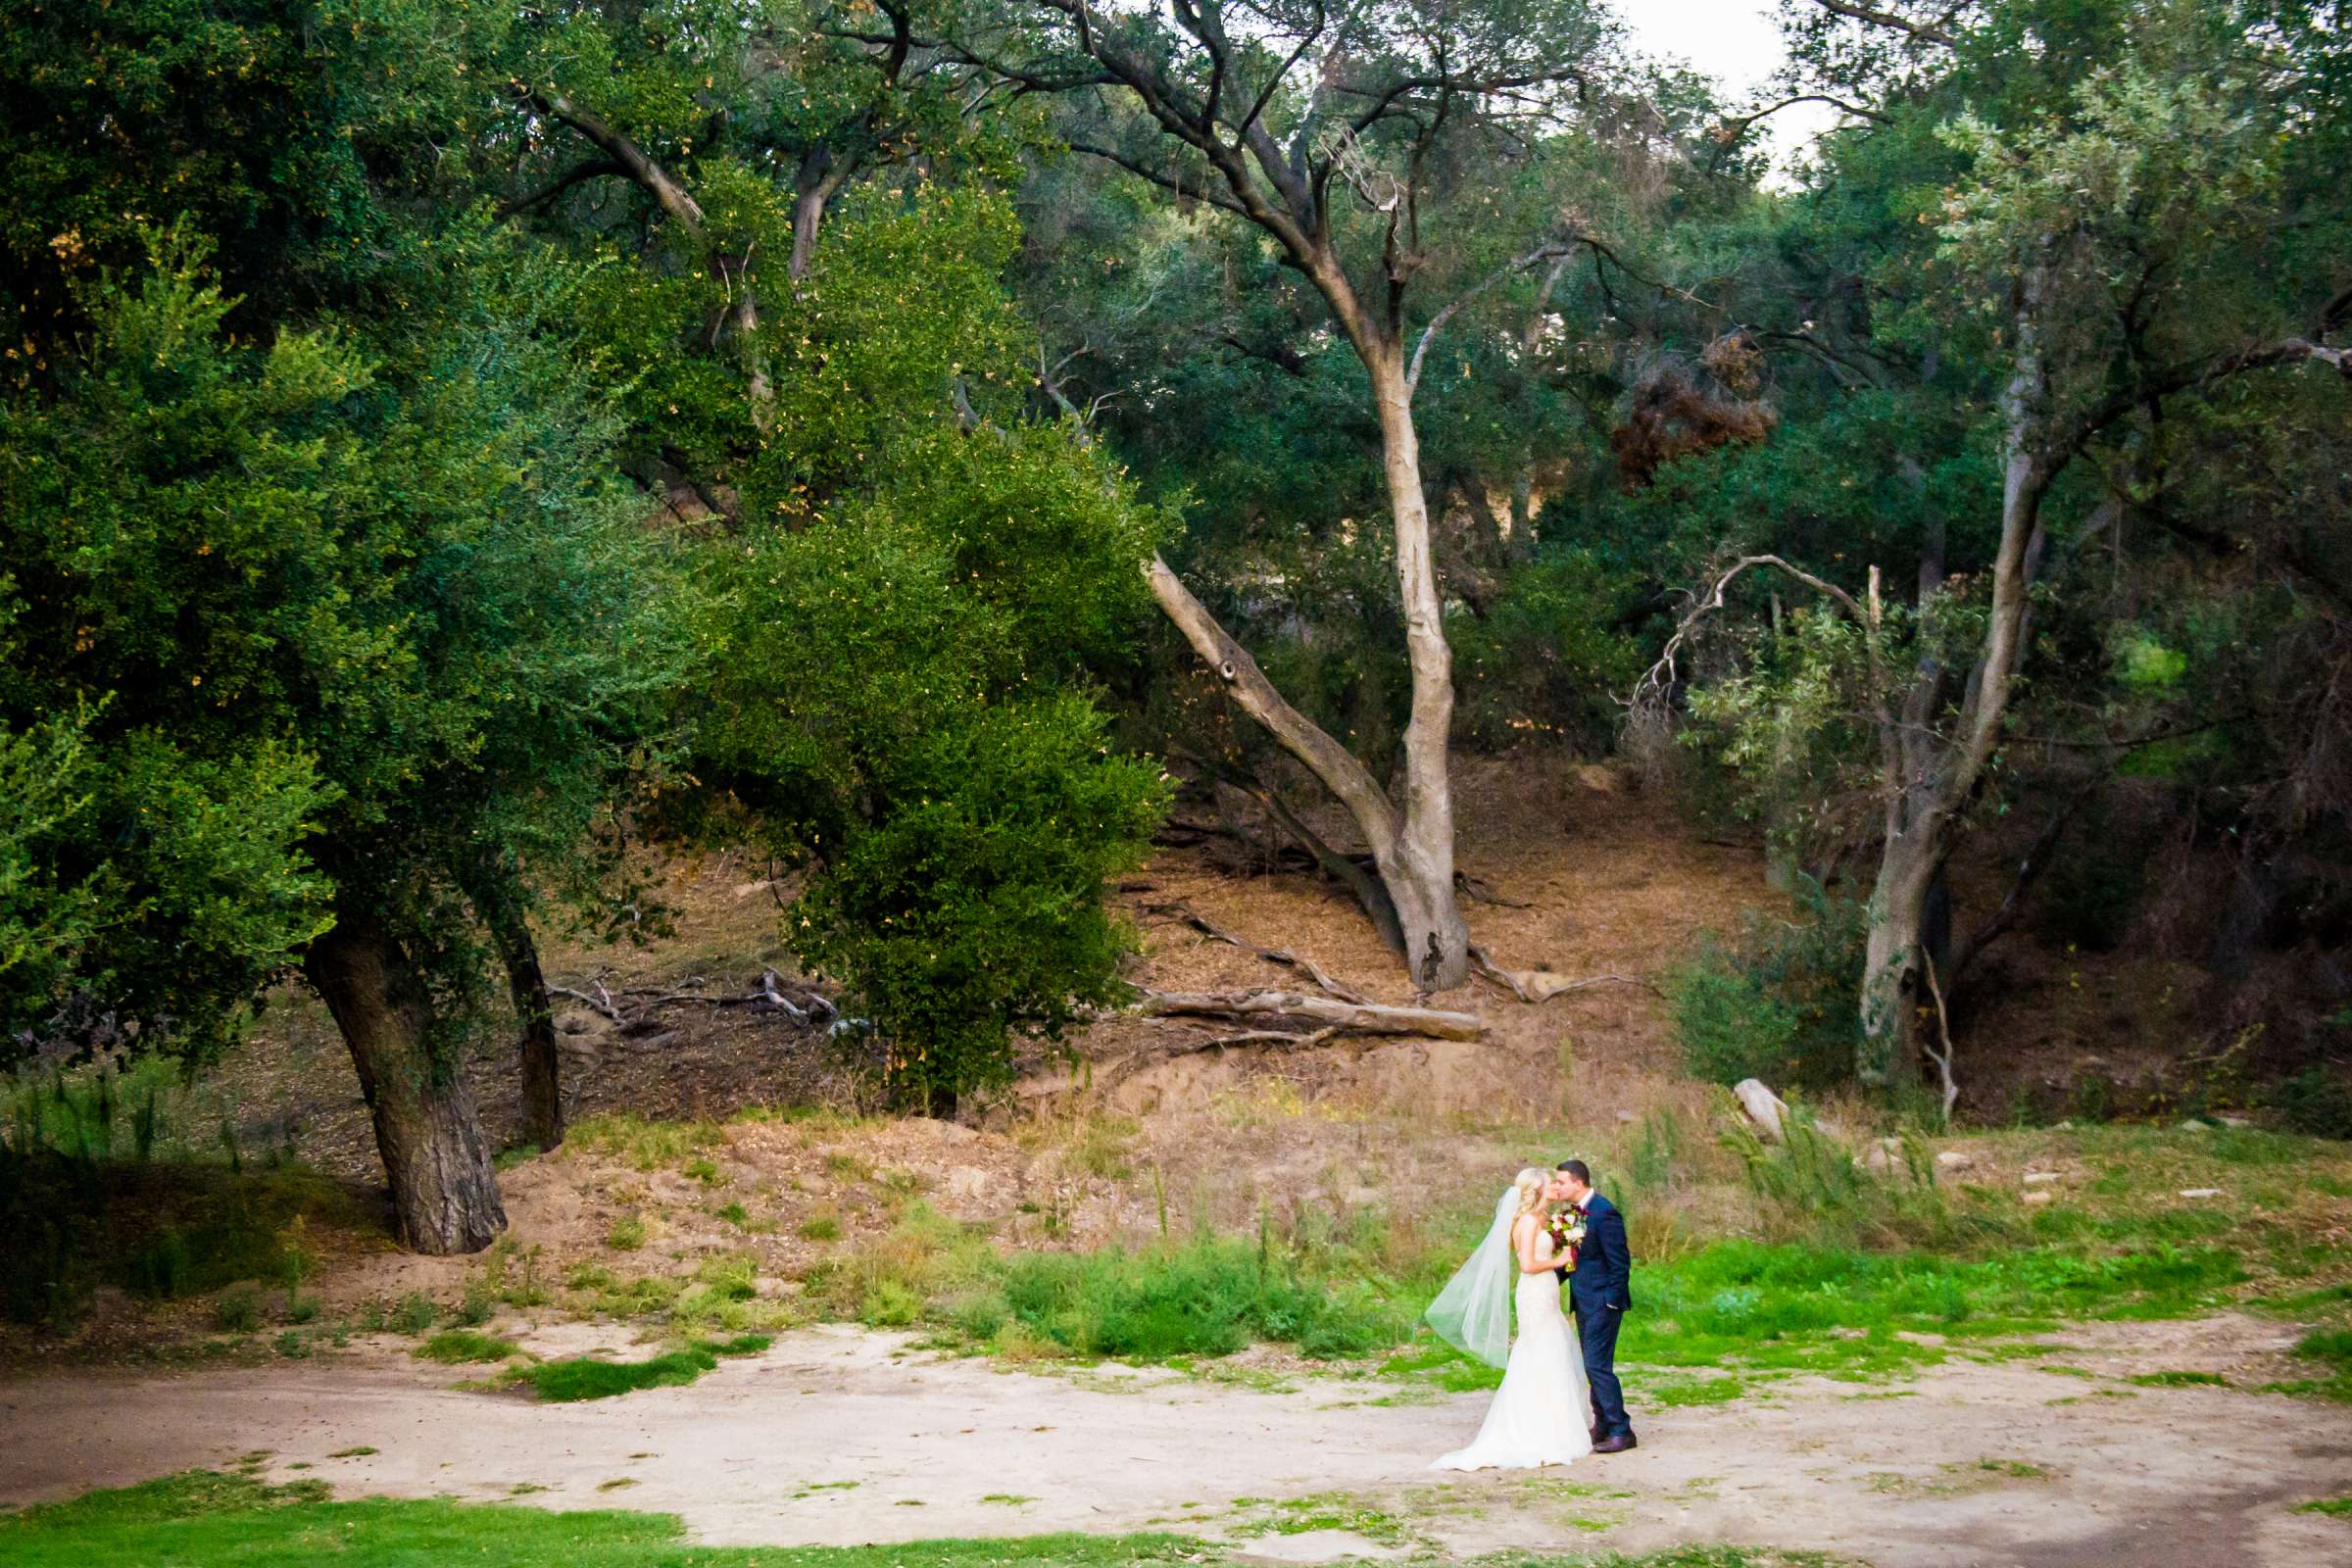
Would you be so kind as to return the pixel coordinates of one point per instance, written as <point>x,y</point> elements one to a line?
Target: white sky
<point>1735,41</point>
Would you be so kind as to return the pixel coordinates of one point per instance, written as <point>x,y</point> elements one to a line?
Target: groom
<point>1600,1288</point>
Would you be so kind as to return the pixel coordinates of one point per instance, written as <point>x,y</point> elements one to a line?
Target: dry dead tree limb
<point>1517,984</point>
<point>1283,956</point>
<point>604,1007</point>
<point>1256,1037</point>
<point>1353,1017</point>
<point>1943,1030</point>
<point>1483,892</point>
<point>768,995</point>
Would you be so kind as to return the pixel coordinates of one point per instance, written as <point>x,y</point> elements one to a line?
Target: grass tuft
<point>453,1346</point>
<point>588,1378</point>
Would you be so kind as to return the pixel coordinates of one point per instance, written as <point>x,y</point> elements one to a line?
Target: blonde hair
<point>1530,1184</point>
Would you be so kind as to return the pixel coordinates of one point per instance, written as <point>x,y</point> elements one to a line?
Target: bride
<point>1540,1414</point>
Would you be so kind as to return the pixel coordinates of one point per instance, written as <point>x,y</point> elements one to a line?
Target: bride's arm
<point>1527,1238</point>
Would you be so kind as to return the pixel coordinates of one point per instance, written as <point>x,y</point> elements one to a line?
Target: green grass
<point>2332,1349</point>
<point>1855,1276</point>
<point>2179,1380</point>
<point>465,1345</point>
<point>2339,1507</point>
<point>205,1518</point>
<point>587,1377</point>
<point>1330,1510</point>
<point>202,1518</point>
<point>639,1143</point>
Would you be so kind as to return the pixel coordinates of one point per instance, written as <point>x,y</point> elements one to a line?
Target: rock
<point>2200,1191</point>
<point>969,1184</point>
<point>2193,1125</point>
<point>1628,1117</point>
<point>1953,1159</point>
<point>580,1021</point>
<point>2235,1121</point>
<point>2036,1199</point>
<point>1883,1157</point>
<point>1768,1111</point>
<point>1598,778</point>
<point>2043,1178</point>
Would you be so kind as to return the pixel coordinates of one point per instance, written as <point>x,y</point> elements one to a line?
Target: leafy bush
<point>2095,885</point>
<point>1777,1004</point>
<point>238,1310</point>
<point>1548,655</point>
<point>960,822</point>
<point>2315,1100</point>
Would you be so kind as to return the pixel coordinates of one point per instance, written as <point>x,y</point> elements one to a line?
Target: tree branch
<point>1924,31</point>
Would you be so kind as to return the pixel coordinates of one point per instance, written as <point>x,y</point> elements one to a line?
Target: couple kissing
<point>1560,1399</point>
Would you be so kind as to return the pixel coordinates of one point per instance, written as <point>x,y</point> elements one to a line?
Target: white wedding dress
<point>1543,1413</point>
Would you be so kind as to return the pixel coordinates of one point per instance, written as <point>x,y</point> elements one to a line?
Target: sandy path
<point>764,1450</point>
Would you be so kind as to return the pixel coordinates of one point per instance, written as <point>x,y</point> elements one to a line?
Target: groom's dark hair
<point>1578,1170</point>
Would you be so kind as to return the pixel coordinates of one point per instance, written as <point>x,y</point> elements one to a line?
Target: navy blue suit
<point>1600,1288</point>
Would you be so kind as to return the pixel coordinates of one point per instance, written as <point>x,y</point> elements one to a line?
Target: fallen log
<point>1540,985</point>
<point>1351,1017</point>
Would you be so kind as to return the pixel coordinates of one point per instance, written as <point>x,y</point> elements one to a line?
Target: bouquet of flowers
<point>1567,1229</point>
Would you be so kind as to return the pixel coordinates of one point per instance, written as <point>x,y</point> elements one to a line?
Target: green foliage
<point>962,818</point>
<point>322,612</point>
<point>2095,888</point>
<point>2315,1100</point>
<point>1776,1002</point>
<point>1551,655</point>
<point>83,1207</point>
<point>238,1310</point>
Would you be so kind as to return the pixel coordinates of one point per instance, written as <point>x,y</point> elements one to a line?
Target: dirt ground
<point>840,1436</point>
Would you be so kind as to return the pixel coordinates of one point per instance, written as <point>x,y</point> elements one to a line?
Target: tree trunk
<point>444,1187</point>
<point>1893,985</point>
<point>1418,869</point>
<point>542,1070</point>
<point>1339,770</point>
<point>1927,797</point>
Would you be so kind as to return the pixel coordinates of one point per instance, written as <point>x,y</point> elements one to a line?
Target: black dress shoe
<point>1615,1445</point>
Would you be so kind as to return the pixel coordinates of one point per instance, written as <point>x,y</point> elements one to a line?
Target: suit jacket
<point>1604,1265</point>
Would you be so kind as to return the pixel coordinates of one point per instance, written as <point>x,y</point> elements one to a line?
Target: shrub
<point>238,1310</point>
<point>1547,654</point>
<point>415,1313</point>
<point>2315,1100</point>
<point>959,818</point>
<point>1778,1004</point>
